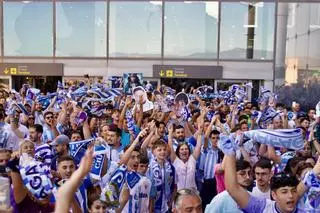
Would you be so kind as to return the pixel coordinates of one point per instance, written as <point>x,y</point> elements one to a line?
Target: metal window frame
<point>162,58</point>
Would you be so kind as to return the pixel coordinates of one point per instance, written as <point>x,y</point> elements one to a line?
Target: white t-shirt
<point>258,193</point>
<point>185,173</point>
<point>139,197</point>
<point>13,140</point>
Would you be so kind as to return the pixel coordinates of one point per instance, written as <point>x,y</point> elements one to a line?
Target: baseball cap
<point>61,139</point>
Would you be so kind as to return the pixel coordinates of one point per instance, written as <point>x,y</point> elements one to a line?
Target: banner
<point>287,138</point>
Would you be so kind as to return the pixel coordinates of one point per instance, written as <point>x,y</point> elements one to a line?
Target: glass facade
<point>81,29</point>
<point>191,29</point>
<point>135,29</point>
<point>161,29</point>
<point>28,28</point>
<point>286,33</point>
<point>247,30</point>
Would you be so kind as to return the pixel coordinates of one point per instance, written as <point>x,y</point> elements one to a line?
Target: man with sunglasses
<point>50,131</point>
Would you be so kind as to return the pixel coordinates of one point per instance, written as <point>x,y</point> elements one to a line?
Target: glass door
<point>5,82</point>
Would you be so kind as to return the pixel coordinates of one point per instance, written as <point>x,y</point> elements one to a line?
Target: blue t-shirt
<point>125,136</point>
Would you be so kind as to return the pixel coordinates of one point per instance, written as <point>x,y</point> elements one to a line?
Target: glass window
<point>28,28</point>
<point>191,29</point>
<point>247,30</point>
<point>81,29</point>
<point>135,29</point>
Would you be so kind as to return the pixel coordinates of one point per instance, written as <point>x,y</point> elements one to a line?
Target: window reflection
<point>28,28</point>
<point>247,30</point>
<point>191,29</point>
<point>135,29</point>
<point>81,29</point>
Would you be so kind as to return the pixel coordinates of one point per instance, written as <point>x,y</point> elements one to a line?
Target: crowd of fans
<point>89,148</point>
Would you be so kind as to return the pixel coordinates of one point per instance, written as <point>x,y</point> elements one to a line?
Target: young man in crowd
<point>224,201</point>
<point>263,173</point>
<point>43,151</point>
<point>285,190</point>
<point>162,174</point>
<point>50,131</point>
<point>61,147</point>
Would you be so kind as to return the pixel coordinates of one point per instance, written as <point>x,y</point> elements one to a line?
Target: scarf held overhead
<point>287,138</point>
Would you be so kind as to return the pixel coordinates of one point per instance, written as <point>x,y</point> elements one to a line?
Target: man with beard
<point>179,137</point>
<point>115,149</point>
<point>61,146</point>
<point>263,174</point>
<point>42,150</point>
<point>224,202</point>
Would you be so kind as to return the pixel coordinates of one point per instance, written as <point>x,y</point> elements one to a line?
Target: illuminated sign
<point>32,69</point>
<point>187,71</point>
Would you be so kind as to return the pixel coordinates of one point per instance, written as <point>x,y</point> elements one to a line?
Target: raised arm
<point>239,194</point>
<point>148,139</point>
<point>140,114</point>
<point>69,188</point>
<point>19,190</point>
<point>63,114</point>
<point>197,149</point>
<point>170,143</point>
<point>123,111</point>
<point>125,157</point>
<point>272,155</point>
<point>86,130</point>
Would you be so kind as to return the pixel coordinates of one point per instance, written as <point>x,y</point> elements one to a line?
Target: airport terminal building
<point>174,42</point>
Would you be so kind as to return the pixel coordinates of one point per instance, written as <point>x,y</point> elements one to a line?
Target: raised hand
<point>86,162</point>
<point>226,145</point>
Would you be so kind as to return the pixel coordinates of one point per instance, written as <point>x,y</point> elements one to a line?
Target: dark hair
<point>280,105</point>
<point>243,119</point>
<point>242,164</point>
<point>93,194</point>
<point>304,119</point>
<point>178,127</point>
<point>282,180</point>
<point>114,128</point>
<point>214,132</point>
<point>179,146</point>
<point>311,109</point>
<point>292,163</point>
<point>302,166</point>
<point>65,158</point>
<point>263,163</point>
<point>47,113</point>
<point>158,123</point>
<point>144,158</point>
<point>38,128</point>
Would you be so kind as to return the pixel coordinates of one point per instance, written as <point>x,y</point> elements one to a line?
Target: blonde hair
<point>26,141</point>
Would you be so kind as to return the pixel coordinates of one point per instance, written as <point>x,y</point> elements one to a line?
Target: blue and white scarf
<point>313,194</point>
<point>111,193</point>
<point>78,149</point>
<point>164,185</point>
<point>36,177</point>
<point>287,138</point>
<point>98,161</point>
